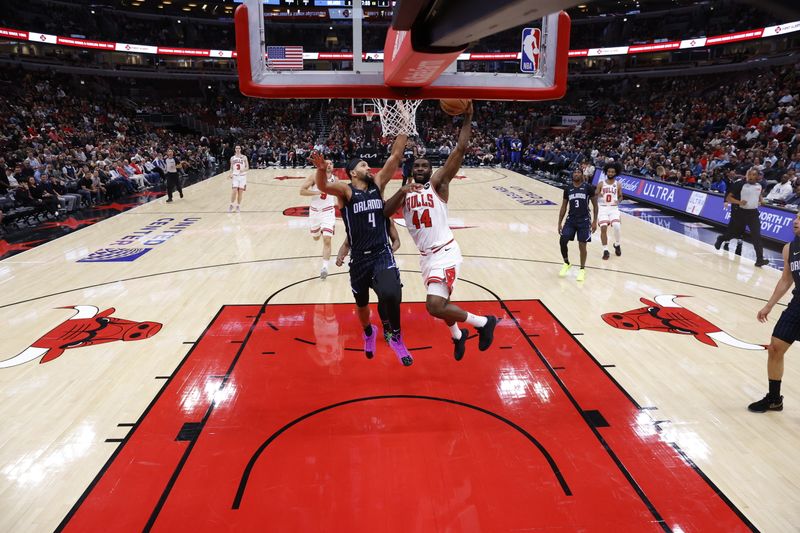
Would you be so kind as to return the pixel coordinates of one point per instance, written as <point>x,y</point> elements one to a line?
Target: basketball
<point>456,106</point>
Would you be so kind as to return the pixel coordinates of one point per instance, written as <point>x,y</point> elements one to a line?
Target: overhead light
<point>209,86</point>
<point>168,2</point>
<point>330,27</point>
<point>625,19</point>
<point>582,6</point>
<point>192,5</point>
<point>92,11</point>
<point>186,9</point>
<point>179,21</point>
<point>204,7</point>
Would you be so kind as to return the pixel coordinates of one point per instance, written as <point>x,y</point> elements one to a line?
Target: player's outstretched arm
<point>396,201</point>
<point>305,188</point>
<point>448,171</point>
<point>321,178</point>
<point>782,287</point>
<point>393,163</point>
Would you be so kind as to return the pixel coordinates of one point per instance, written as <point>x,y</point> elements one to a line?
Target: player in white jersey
<point>609,195</point>
<point>322,214</point>
<point>424,205</point>
<point>238,177</point>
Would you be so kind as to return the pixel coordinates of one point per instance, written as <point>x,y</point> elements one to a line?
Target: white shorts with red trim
<point>440,269</point>
<point>322,221</point>
<point>239,181</point>
<point>607,214</point>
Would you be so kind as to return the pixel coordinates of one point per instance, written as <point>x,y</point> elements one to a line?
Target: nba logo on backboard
<point>529,62</point>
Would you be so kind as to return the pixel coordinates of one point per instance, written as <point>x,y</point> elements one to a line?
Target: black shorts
<point>788,327</point>
<point>583,228</point>
<point>364,268</point>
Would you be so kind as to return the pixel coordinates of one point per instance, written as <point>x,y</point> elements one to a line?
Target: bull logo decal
<point>87,327</point>
<point>664,314</point>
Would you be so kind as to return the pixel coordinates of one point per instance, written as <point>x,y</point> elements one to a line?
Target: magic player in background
<point>577,197</point>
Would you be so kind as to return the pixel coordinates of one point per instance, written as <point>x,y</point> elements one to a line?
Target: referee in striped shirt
<point>748,195</point>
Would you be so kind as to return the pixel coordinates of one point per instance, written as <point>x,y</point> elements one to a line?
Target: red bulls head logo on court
<point>87,327</point>
<point>664,314</point>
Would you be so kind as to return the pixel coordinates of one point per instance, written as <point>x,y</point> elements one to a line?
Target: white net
<point>398,117</point>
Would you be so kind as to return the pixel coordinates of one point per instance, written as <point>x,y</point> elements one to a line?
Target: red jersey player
<point>424,204</point>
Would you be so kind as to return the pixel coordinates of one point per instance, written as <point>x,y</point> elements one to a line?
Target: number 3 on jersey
<point>424,220</point>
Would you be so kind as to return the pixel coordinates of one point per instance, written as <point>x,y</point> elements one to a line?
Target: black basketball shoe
<point>460,345</point>
<point>738,250</point>
<point>618,250</point>
<point>486,333</point>
<point>766,404</point>
<point>725,246</point>
<point>606,254</point>
<point>718,243</point>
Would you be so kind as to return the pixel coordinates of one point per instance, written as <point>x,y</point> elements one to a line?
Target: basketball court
<point>178,367</point>
<point>252,406</point>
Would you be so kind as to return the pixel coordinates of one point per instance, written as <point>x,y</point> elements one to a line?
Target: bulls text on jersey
<point>609,193</point>
<point>425,214</point>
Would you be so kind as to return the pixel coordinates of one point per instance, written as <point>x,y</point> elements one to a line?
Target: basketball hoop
<point>398,117</point>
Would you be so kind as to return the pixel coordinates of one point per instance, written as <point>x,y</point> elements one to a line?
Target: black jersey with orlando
<point>364,220</point>
<point>579,198</point>
<point>794,267</point>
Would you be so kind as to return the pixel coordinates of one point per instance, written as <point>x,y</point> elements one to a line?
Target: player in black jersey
<point>372,263</point>
<point>577,196</point>
<point>787,330</point>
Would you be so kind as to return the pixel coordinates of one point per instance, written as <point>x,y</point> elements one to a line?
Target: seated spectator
<point>782,191</point>
<point>718,184</point>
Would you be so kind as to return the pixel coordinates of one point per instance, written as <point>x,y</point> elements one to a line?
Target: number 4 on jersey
<point>424,220</point>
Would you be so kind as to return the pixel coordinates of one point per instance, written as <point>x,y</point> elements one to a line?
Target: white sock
<point>605,247</point>
<point>325,263</point>
<point>617,233</point>
<point>455,331</point>
<point>477,321</point>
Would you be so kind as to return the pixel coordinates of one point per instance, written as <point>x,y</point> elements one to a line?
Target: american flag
<point>285,57</point>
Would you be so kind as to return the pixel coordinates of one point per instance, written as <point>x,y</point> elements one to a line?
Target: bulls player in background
<point>372,263</point>
<point>238,177</point>
<point>787,330</point>
<point>322,214</point>
<point>577,196</point>
<point>609,195</point>
<point>424,204</point>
